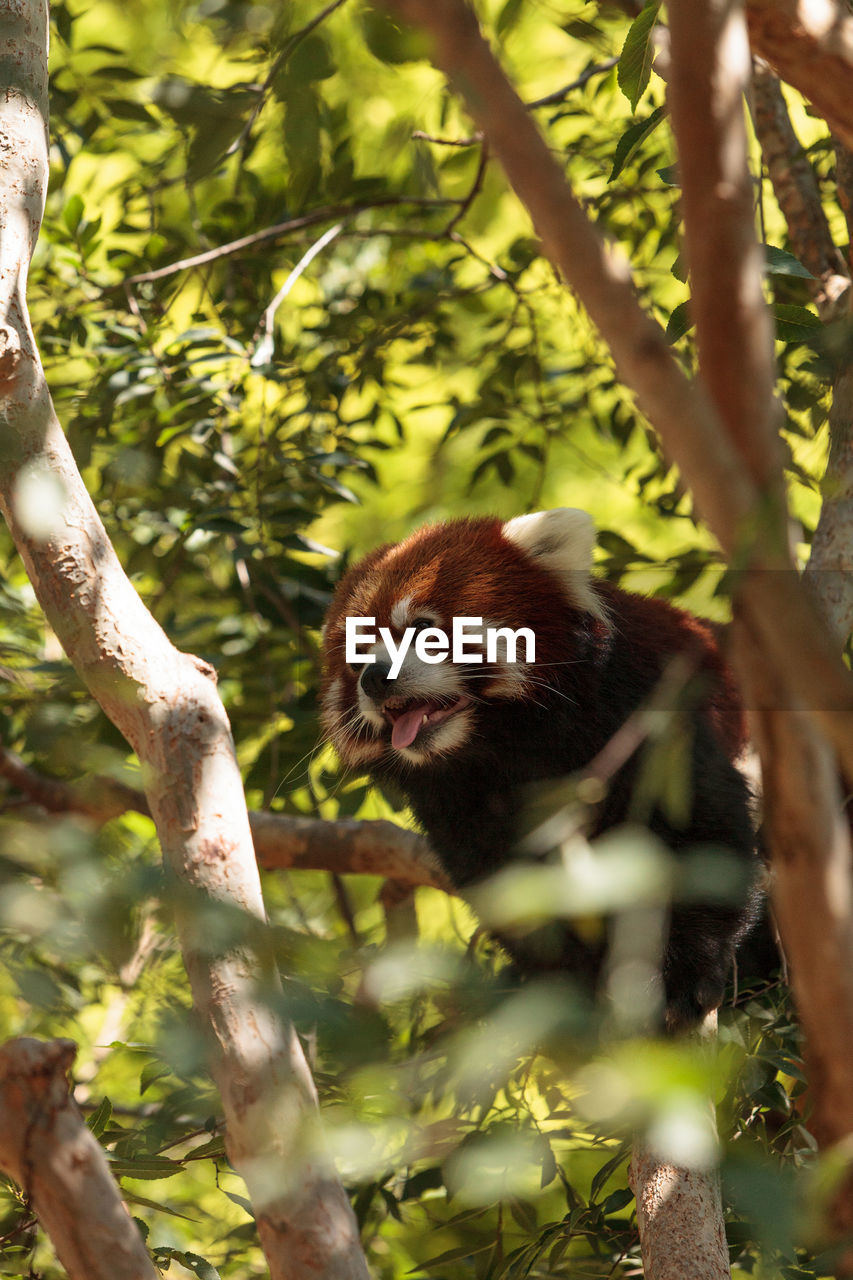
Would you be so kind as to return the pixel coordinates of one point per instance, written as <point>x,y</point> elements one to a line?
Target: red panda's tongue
<point>405,728</point>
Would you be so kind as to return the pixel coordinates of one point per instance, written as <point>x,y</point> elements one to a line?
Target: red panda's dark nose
<point>374,680</point>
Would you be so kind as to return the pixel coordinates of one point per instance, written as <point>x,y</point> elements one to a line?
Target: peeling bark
<point>46,1147</point>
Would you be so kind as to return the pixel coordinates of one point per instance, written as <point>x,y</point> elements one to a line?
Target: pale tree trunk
<point>680,1219</point>
<point>46,1147</point>
<point>679,1209</point>
<point>166,705</point>
<point>723,435</point>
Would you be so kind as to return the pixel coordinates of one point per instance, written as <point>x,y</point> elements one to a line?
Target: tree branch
<point>165,704</point>
<point>797,193</point>
<point>560,95</point>
<point>807,835</point>
<point>709,74</point>
<point>680,1210</point>
<point>830,568</point>
<point>733,442</point>
<point>347,846</point>
<point>47,1148</point>
<point>810,45</point>
<point>99,798</point>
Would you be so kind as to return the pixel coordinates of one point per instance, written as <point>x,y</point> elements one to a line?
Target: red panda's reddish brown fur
<point>472,738</point>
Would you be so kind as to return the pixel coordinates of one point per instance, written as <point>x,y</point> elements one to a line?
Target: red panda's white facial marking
<point>400,613</point>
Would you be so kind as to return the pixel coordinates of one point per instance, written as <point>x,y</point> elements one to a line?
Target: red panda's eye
<point>421,624</point>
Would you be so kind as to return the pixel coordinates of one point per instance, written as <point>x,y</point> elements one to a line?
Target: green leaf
<point>100,1117</point>
<point>13,1261</point>
<point>390,42</point>
<point>424,1180</point>
<point>468,1250</point>
<point>72,213</point>
<point>618,546</point>
<point>631,139</point>
<point>242,1201</point>
<point>580,29</point>
<point>679,322</point>
<point>144,1202</point>
<point>146,1167</point>
<point>310,60</point>
<point>524,1214</point>
<point>607,1170</point>
<point>793,323</point>
<point>635,61</point>
<point>508,16</point>
<point>212,1150</point>
<point>121,73</point>
<point>150,1072</point>
<point>781,263</point>
<point>617,1200</point>
<point>193,1262</point>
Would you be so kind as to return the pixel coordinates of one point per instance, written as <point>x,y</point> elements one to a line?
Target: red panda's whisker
<point>309,756</point>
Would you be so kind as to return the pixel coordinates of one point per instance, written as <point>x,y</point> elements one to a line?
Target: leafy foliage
<point>424,363</point>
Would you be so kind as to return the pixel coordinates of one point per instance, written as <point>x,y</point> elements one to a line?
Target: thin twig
<point>475,188</point>
<point>325,214</point>
<point>264,350</point>
<point>473,141</point>
<point>492,267</point>
<point>551,99</point>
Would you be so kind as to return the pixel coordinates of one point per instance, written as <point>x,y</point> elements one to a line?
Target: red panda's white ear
<point>562,541</point>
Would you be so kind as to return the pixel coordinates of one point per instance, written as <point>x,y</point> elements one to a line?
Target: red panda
<point>466,740</point>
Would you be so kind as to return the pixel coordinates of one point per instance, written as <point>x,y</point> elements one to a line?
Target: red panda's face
<point>387,694</point>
